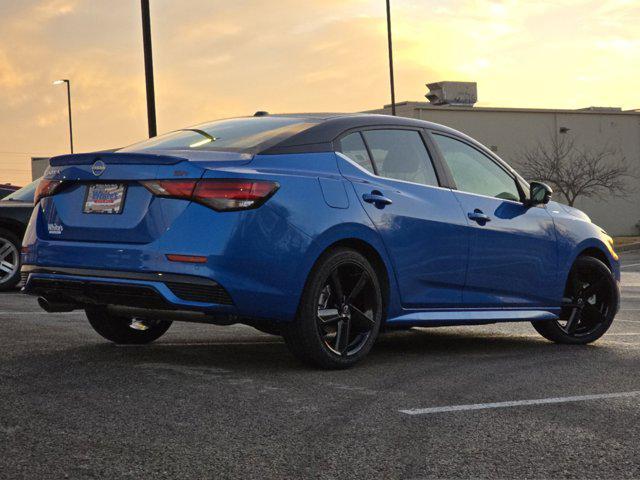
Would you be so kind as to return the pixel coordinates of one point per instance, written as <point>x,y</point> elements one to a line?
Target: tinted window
<point>474,172</point>
<point>353,147</point>
<point>401,154</point>
<point>235,134</point>
<point>25,194</point>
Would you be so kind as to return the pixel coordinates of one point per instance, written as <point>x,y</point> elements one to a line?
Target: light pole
<point>148,67</point>
<point>60,82</point>
<point>391,81</point>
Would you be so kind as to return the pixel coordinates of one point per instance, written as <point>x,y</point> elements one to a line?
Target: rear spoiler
<point>114,158</point>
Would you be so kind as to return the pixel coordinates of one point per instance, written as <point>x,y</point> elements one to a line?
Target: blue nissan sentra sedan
<point>322,228</point>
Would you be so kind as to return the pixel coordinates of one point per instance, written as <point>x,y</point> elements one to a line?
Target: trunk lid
<point>103,200</point>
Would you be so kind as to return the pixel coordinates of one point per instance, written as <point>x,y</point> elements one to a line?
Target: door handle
<point>377,198</point>
<point>478,216</point>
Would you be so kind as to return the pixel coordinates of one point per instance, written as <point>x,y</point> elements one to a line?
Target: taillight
<point>171,188</point>
<point>46,188</point>
<point>233,194</point>
<point>218,194</point>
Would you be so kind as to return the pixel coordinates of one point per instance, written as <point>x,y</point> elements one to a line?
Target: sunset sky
<point>217,58</point>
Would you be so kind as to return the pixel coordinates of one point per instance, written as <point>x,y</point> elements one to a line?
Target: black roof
<point>320,137</point>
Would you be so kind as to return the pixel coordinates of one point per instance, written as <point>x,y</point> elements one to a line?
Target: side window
<point>474,172</point>
<point>401,154</point>
<point>353,147</point>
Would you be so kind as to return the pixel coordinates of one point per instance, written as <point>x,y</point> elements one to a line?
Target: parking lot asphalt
<point>230,402</point>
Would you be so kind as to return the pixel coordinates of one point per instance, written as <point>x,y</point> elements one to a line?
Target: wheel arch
<point>373,256</point>
<point>592,249</point>
<point>366,242</point>
<point>13,226</point>
<point>595,253</point>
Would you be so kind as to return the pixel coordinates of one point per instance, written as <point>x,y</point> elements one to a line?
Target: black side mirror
<point>539,193</point>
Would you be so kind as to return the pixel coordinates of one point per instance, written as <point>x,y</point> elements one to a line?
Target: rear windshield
<point>25,194</point>
<point>231,135</point>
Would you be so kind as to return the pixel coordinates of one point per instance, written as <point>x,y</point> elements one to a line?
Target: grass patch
<point>625,240</point>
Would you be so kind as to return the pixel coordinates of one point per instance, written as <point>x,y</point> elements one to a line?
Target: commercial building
<point>38,166</point>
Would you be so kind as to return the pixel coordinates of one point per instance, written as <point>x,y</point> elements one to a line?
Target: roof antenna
<point>261,113</point>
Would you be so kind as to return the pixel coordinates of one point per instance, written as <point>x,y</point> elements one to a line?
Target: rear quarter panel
<point>315,200</point>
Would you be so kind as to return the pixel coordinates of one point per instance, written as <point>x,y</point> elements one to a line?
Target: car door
<point>513,255</point>
<point>421,223</point>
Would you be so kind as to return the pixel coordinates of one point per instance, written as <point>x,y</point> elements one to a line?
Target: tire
<point>9,260</point>
<point>594,315</point>
<point>340,312</point>
<point>118,329</point>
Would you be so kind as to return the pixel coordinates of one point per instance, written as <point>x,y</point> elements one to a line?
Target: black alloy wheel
<point>346,309</point>
<point>340,312</point>
<point>9,260</point>
<point>589,306</point>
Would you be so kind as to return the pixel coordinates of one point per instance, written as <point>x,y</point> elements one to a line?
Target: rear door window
<point>401,155</point>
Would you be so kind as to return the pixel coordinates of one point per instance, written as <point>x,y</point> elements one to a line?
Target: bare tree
<point>576,171</point>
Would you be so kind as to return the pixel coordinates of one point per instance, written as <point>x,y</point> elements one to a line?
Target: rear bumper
<point>83,288</point>
<point>256,255</point>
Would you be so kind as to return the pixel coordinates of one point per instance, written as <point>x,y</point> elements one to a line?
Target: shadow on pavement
<point>261,353</point>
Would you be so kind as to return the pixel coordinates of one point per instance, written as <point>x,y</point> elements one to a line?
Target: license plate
<point>105,198</point>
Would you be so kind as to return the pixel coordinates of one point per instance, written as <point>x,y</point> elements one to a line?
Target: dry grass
<point>625,240</point>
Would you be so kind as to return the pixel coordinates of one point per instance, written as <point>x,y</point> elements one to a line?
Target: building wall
<point>38,166</point>
<point>510,131</point>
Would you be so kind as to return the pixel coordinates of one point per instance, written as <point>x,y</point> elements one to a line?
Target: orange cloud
<point>220,59</point>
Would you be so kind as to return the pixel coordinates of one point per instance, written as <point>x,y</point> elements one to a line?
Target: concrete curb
<point>629,247</point>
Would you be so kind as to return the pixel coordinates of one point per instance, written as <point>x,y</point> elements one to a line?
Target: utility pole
<point>391,80</point>
<point>148,68</point>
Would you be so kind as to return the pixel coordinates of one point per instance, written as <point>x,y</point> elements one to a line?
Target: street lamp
<point>60,82</point>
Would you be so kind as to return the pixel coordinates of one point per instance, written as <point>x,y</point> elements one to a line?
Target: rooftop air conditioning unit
<point>463,94</point>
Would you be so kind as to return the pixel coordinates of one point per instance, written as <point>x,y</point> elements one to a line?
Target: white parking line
<point>196,344</point>
<point>630,265</point>
<point>619,344</point>
<point>517,403</point>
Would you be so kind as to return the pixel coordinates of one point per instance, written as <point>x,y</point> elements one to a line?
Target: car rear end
<point>126,229</point>
<point>162,230</point>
